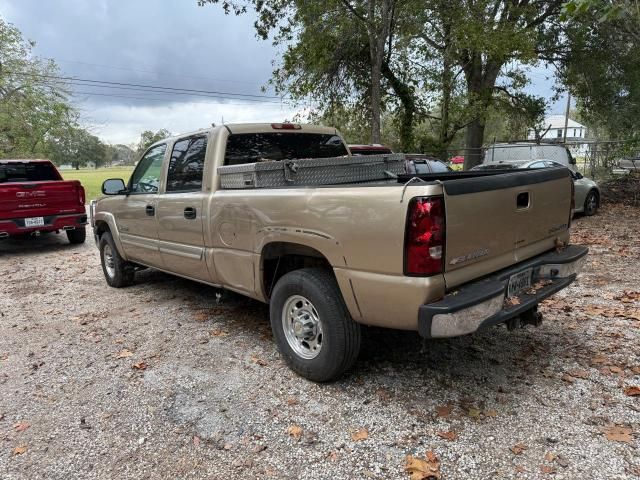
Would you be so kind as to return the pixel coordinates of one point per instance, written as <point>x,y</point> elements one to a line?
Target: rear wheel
<point>78,235</point>
<point>117,271</point>
<point>591,203</point>
<point>312,326</point>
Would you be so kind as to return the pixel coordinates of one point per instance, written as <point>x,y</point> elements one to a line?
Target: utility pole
<point>566,117</point>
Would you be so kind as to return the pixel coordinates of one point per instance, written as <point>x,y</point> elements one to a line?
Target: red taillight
<point>81,195</point>
<point>285,126</point>
<point>424,236</point>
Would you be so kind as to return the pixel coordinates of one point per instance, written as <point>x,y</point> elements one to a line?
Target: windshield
<point>27,172</point>
<point>256,147</point>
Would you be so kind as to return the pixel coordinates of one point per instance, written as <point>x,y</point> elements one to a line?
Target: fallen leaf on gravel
<point>295,432</point>
<point>518,448</point>
<point>444,410</point>
<point>628,296</point>
<point>201,317</point>
<point>216,332</point>
<point>448,435</point>
<point>140,365</point>
<point>568,378</point>
<point>578,373</point>
<point>124,354</point>
<point>614,369</point>
<point>21,426</point>
<point>383,394</point>
<point>474,412</point>
<point>196,440</point>
<point>20,450</point>
<point>490,413</point>
<point>360,435</point>
<point>419,469</point>
<point>636,370</point>
<point>292,401</point>
<point>259,361</point>
<point>547,469</point>
<point>599,360</point>
<point>632,391</point>
<point>618,434</point>
<point>550,456</point>
<point>333,456</point>
<point>560,460</point>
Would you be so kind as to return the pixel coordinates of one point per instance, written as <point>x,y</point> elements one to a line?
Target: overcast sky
<point>170,43</point>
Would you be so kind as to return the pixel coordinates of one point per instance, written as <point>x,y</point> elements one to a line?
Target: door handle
<point>150,210</point>
<point>190,213</point>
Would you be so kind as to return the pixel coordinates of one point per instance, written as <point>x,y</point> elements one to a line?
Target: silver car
<point>587,192</point>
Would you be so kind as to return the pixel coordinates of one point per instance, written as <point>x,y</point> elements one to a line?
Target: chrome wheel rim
<point>109,262</point>
<point>302,327</point>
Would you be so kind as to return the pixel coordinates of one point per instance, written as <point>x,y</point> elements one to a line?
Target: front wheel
<point>591,204</point>
<point>117,272</point>
<point>311,324</point>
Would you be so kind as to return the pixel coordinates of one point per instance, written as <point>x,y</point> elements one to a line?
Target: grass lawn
<point>92,178</point>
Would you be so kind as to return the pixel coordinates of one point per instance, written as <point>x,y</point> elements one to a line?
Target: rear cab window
<point>186,165</point>
<point>28,172</point>
<point>256,147</point>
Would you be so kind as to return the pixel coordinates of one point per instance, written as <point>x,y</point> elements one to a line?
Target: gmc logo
<point>36,194</point>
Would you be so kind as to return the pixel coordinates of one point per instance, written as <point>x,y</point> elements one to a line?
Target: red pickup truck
<point>35,199</point>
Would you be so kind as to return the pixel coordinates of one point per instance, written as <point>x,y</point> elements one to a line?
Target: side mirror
<point>113,186</point>
<point>577,175</point>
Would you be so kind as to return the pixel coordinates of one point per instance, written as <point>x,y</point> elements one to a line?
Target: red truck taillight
<point>424,237</point>
<point>81,195</point>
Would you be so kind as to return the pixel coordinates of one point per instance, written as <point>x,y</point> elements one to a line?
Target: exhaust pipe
<point>4,235</point>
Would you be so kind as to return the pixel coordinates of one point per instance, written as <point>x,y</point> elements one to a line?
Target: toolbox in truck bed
<point>312,171</point>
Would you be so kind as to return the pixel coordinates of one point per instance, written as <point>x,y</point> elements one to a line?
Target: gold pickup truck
<point>444,255</point>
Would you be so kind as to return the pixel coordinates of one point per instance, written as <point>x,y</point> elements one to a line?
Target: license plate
<point>519,281</point>
<point>34,222</point>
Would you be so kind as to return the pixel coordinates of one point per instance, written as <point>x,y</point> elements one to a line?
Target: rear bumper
<point>52,223</point>
<point>481,303</point>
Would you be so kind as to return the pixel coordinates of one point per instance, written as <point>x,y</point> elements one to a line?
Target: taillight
<point>285,126</point>
<point>81,195</point>
<point>424,236</point>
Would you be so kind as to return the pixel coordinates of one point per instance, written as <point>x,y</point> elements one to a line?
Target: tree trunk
<point>407,100</point>
<point>375,101</point>
<point>474,137</point>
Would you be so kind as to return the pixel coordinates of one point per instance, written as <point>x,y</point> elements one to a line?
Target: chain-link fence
<point>597,159</point>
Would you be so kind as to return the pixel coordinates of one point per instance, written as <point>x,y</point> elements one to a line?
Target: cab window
<point>186,165</point>
<point>146,176</point>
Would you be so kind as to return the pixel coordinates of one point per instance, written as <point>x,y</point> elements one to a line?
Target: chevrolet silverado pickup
<point>444,254</point>
<point>35,199</point>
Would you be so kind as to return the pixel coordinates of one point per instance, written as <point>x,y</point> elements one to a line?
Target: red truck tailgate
<point>37,199</point>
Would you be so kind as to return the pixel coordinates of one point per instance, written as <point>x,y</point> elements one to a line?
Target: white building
<point>554,126</point>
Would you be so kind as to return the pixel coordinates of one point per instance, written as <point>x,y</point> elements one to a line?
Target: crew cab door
<point>135,213</point>
<point>180,222</point>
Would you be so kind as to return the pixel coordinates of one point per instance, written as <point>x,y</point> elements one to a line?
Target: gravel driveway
<point>159,380</point>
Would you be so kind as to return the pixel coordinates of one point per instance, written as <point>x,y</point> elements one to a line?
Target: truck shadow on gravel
<point>28,246</point>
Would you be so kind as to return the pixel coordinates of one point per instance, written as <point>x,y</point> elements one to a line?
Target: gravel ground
<point>159,380</point>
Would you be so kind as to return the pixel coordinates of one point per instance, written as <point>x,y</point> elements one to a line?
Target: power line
<point>164,100</point>
<point>153,87</point>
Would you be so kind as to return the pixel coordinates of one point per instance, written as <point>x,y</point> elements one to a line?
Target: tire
<point>117,272</point>
<point>327,345</point>
<point>591,203</point>
<point>77,236</point>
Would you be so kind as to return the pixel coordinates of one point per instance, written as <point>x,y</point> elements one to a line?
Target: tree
<point>148,138</point>
<point>33,106</point>
<point>601,67</point>
<point>78,148</point>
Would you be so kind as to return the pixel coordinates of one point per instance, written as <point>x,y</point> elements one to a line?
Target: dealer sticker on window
<point>519,281</point>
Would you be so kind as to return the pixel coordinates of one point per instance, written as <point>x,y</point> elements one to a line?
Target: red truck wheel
<point>311,324</point>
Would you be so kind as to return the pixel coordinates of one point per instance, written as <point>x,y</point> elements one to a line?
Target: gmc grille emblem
<point>36,194</point>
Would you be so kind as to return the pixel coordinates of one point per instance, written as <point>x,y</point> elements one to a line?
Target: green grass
<point>92,178</point>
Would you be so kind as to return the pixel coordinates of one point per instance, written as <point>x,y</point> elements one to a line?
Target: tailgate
<point>495,221</point>
<point>32,199</point>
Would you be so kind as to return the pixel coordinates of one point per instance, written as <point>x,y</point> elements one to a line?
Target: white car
<point>587,192</point>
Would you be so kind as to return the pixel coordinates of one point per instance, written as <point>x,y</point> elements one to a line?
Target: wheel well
<point>280,258</point>
<point>101,227</point>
